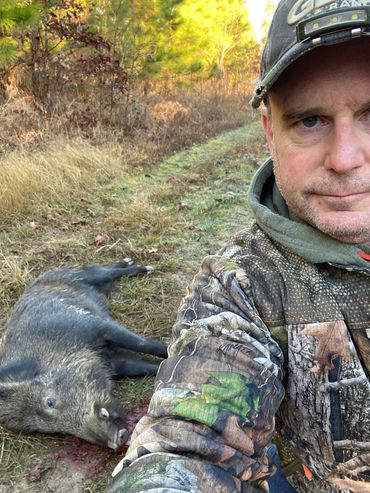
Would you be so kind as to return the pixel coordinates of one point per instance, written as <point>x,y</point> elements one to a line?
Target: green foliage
<point>167,38</point>
<point>215,36</point>
<point>13,12</point>
<point>139,31</point>
<point>15,17</point>
<point>8,50</point>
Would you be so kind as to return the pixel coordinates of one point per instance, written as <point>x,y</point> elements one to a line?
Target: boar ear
<point>101,411</point>
<point>7,388</point>
<point>22,369</point>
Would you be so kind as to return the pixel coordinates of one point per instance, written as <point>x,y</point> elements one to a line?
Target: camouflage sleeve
<point>212,412</point>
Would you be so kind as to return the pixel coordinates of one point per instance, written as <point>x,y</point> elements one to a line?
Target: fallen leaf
<point>99,239</point>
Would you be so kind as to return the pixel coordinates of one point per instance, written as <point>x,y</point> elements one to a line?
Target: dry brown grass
<point>199,111</point>
<point>188,116</point>
<point>21,123</point>
<point>140,215</point>
<point>46,159</point>
<point>57,173</point>
<point>15,275</point>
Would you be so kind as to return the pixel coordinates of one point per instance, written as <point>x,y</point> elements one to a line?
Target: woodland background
<point>123,66</point>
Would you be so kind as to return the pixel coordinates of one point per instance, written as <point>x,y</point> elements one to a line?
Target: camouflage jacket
<point>275,326</point>
<point>262,333</point>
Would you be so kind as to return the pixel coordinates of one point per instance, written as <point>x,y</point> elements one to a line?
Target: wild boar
<point>60,350</point>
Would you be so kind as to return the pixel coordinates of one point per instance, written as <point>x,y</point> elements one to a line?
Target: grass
<point>56,175</point>
<point>169,215</point>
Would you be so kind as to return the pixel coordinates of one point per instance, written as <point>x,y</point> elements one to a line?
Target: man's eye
<point>309,122</point>
<point>366,116</point>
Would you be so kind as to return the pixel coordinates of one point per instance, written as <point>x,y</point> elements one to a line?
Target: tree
<point>157,39</point>
<point>217,34</point>
<point>139,31</point>
<point>52,45</point>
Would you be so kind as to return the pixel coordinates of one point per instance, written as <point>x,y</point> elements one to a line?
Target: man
<point>278,323</point>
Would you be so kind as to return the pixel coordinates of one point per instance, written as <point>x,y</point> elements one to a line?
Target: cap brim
<point>293,54</point>
<point>268,81</point>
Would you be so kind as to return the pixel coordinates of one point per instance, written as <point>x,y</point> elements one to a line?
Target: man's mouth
<point>342,201</point>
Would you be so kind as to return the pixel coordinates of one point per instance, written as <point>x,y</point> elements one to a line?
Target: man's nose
<point>346,149</point>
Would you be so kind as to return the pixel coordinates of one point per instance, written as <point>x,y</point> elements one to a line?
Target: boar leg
<point>22,369</point>
<point>102,277</point>
<point>124,365</point>
<point>115,334</point>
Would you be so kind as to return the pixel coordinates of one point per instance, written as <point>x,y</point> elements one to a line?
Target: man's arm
<point>212,412</point>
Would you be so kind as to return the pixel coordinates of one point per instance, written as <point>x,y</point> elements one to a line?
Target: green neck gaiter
<point>273,216</point>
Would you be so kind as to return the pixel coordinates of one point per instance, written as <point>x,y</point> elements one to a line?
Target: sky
<point>256,9</point>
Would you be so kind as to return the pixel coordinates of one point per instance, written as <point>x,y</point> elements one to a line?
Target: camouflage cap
<point>298,26</point>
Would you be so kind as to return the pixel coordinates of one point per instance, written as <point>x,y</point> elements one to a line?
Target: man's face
<point>318,132</point>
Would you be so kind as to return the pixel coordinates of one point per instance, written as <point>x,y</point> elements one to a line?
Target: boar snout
<point>108,428</point>
<point>120,438</point>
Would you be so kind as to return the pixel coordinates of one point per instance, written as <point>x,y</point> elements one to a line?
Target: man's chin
<point>344,226</point>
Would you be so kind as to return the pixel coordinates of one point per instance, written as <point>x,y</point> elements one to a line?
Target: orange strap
<point>364,255</point>
<point>307,472</point>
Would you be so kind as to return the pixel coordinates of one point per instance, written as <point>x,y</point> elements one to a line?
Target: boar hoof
<point>128,261</point>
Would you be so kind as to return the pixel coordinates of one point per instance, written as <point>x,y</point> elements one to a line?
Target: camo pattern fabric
<point>261,333</point>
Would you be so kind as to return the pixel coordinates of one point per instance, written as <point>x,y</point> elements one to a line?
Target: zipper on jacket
<point>336,420</point>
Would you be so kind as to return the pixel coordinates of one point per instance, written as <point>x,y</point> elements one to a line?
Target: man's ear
<point>267,127</point>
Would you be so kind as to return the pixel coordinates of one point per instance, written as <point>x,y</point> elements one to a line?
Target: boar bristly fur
<point>60,351</point>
